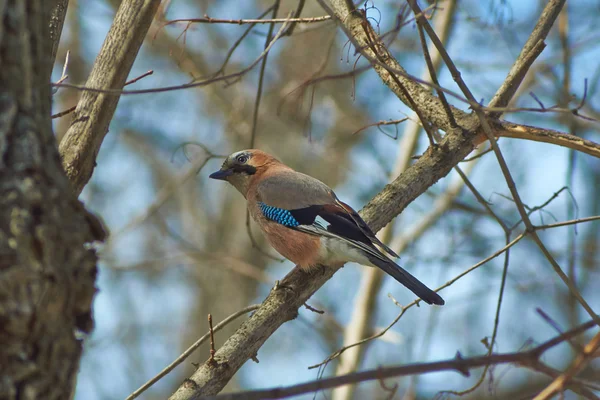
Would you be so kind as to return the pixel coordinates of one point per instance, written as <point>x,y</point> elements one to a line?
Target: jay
<point>304,221</point>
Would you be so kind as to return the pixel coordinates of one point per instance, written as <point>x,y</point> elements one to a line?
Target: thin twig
<point>205,82</point>
<point>570,222</point>
<point>212,340</point>
<point>381,123</point>
<point>527,132</point>
<point>261,77</point>
<point>190,350</point>
<point>70,110</point>
<point>209,20</point>
<point>142,76</point>
<point>311,308</point>
<point>235,45</point>
<point>433,74</point>
<point>492,342</point>
<point>63,113</point>
<point>63,76</point>
<point>297,13</point>
<point>550,321</point>
<point>375,43</point>
<point>578,386</point>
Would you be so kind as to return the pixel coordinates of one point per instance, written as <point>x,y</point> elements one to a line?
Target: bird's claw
<point>279,286</point>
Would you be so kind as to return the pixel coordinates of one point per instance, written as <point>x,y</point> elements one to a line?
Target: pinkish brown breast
<point>298,247</point>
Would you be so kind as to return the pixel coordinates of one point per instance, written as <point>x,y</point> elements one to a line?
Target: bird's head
<point>240,168</point>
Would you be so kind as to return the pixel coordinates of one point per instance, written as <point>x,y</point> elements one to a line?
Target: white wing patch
<point>321,223</point>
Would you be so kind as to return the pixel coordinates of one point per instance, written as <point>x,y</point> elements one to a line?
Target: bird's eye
<point>242,158</point>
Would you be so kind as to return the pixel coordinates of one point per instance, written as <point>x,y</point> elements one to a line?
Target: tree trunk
<point>46,273</point>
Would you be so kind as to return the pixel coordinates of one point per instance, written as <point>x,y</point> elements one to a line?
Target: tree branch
<point>359,31</point>
<point>58,12</point>
<point>527,132</point>
<point>531,50</point>
<point>580,362</point>
<point>527,358</point>
<point>81,143</point>
<point>190,350</point>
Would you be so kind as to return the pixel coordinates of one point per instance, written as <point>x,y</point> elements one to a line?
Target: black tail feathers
<point>405,278</point>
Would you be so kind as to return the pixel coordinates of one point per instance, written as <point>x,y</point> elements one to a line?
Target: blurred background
<point>179,246</point>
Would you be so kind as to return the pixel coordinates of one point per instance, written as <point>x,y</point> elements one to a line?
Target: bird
<point>303,219</point>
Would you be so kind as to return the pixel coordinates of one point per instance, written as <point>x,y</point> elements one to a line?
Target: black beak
<point>221,174</point>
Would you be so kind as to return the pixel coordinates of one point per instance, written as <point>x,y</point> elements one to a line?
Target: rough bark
<point>80,145</point>
<point>46,273</point>
<point>58,12</point>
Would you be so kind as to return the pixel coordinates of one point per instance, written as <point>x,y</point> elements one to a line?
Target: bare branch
<point>81,143</point>
<point>531,50</point>
<point>582,360</point>
<point>356,27</point>
<point>70,110</point>
<point>191,349</point>
<point>527,359</point>
<point>209,20</point>
<point>381,123</point>
<point>261,78</point>
<point>236,44</point>
<point>527,132</point>
<point>195,84</point>
<point>58,12</point>
<point>415,302</point>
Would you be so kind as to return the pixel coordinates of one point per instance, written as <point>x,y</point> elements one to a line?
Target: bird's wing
<point>308,198</point>
<point>364,227</point>
<point>322,220</point>
<point>291,190</point>
<point>314,209</point>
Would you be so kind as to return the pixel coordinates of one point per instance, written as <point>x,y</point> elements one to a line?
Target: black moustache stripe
<point>247,169</point>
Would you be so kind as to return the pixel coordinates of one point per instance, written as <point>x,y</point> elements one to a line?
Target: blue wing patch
<point>279,215</point>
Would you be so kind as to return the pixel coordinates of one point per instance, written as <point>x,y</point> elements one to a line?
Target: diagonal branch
<point>58,12</point>
<point>359,31</point>
<point>532,48</point>
<point>80,145</point>
<point>190,350</point>
<point>582,360</point>
<point>261,78</point>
